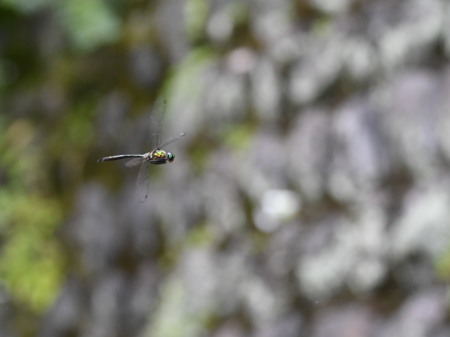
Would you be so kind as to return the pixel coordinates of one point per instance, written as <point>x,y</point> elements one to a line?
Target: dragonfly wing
<point>134,162</point>
<point>142,181</point>
<point>173,139</point>
<point>156,121</point>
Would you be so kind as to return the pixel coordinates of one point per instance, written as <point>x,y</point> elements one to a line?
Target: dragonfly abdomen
<point>120,156</point>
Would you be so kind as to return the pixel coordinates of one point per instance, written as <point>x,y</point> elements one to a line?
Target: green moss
<point>30,263</point>
<point>183,79</point>
<point>196,13</point>
<point>442,266</point>
<point>199,236</point>
<point>238,137</point>
<point>175,318</point>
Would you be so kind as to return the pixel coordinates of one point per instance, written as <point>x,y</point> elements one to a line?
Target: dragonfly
<point>157,156</point>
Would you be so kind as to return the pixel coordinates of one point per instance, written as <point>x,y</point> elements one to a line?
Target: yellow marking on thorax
<point>159,154</point>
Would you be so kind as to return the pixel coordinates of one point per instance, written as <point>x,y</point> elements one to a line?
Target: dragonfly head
<point>170,157</point>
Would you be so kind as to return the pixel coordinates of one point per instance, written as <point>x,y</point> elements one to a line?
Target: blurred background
<point>309,197</point>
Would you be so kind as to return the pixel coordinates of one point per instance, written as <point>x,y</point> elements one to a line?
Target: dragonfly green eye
<point>170,156</point>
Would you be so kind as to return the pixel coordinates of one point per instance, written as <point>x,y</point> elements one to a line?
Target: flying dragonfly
<point>157,156</point>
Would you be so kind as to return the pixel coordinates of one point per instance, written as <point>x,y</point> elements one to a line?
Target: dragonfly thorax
<point>159,156</point>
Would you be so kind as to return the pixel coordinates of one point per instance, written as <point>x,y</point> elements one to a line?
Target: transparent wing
<point>142,181</point>
<point>173,139</point>
<point>156,121</point>
<point>134,162</point>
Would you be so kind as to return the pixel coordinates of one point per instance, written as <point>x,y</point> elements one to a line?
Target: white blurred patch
<point>276,206</point>
<point>424,225</point>
<point>220,26</point>
<point>332,6</point>
<point>241,61</point>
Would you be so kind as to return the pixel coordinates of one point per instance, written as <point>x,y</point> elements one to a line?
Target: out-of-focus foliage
<point>88,23</point>
<point>30,263</point>
<point>27,6</point>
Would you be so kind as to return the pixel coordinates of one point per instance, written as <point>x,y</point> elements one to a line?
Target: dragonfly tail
<point>119,157</point>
